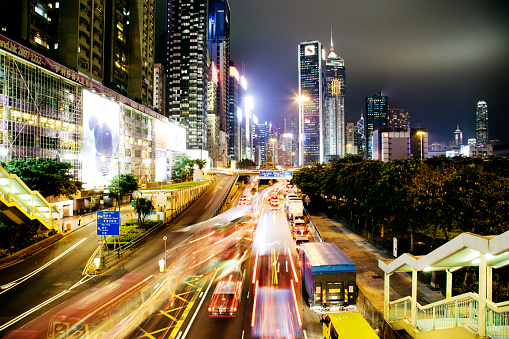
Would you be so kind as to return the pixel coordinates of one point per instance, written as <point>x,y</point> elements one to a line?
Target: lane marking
<point>18,281</point>
<point>199,306</point>
<point>45,303</point>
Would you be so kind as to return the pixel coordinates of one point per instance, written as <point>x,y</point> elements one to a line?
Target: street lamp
<point>118,178</point>
<point>421,133</point>
<point>301,100</point>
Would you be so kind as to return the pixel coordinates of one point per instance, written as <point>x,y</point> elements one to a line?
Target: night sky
<point>436,58</point>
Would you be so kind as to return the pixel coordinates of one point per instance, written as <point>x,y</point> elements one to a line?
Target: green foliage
<point>142,207</point>
<point>414,198</point>
<point>49,177</point>
<point>246,163</point>
<point>16,237</point>
<point>184,166</point>
<point>128,184</point>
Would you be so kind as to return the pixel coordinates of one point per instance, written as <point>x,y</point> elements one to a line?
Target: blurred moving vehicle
<point>346,326</point>
<point>225,301</point>
<point>243,200</point>
<point>274,205</point>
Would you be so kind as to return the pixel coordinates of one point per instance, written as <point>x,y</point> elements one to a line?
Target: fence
<point>374,239</point>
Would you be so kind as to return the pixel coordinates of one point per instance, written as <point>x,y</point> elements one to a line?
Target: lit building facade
<point>389,145</point>
<point>377,107</point>
<point>159,86</point>
<point>351,138</point>
<point>61,114</point>
<point>311,64</point>
<point>481,123</point>
<point>335,118</point>
<point>218,41</point>
<point>458,137</point>
<point>187,69</point>
<point>213,137</point>
<point>399,119</point>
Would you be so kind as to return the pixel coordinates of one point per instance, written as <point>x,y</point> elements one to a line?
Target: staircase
<point>19,204</point>
<point>458,311</point>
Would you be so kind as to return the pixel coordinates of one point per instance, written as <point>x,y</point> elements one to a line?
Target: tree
<point>49,177</point>
<point>200,163</point>
<point>128,184</point>
<point>246,163</point>
<point>142,207</point>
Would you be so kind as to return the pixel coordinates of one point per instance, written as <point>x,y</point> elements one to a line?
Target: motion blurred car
<point>243,200</point>
<point>274,205</point>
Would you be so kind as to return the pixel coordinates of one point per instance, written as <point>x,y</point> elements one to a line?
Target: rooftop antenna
<point>331,42</point>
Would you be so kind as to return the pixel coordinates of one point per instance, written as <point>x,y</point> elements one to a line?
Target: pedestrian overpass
<point>19,204</point>
<point>469,315</point>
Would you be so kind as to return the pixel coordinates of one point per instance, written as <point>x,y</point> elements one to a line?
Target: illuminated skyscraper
<point>376,117</point>
<point>481,123</point>
<point>399,119</point>
<point>311,58</point>
<point>187,68</point>
<point>458,137</point>
<point>218,42</point>
<point>335,118</point>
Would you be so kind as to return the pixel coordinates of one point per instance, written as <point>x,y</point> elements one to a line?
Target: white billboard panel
<point>100,139</point>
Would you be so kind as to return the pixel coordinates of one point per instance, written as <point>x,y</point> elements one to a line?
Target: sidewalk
<point>370,278</point>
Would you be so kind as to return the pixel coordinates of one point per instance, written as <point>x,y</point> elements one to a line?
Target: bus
<point>349,325</point>
<point>100,311</point>
<point>226,298</point>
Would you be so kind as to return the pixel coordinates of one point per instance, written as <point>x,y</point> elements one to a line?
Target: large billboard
<point>100,139</point>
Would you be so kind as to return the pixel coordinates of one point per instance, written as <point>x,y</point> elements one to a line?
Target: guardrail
<point>461,310</point>
<point>319,236</point>
<point>221,205</point>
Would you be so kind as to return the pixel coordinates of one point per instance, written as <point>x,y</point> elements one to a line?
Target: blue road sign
<point>287,174</point>
<point>108,223</point>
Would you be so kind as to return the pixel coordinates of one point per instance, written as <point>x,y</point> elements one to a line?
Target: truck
<point>295,208</point>
<point>328,278</point>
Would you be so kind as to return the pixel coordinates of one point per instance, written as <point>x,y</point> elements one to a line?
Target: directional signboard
<point>108,223</point>
<point>276,174</point>
<point>287,174</point>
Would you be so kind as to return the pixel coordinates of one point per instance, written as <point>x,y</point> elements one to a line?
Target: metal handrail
<point>460,310</point>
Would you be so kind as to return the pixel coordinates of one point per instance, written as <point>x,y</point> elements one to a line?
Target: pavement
<point>370,278</point>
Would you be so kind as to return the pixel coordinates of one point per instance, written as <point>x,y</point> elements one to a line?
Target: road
<point>32,287</point>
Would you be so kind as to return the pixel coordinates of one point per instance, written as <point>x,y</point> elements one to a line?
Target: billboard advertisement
<point>100,139</point>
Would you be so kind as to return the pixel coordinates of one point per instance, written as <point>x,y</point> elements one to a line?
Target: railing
<point>461,310</point>
<point>374,239</point>
<point>221,205</point>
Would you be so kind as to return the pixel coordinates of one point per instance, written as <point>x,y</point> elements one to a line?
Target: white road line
<point>18,281</point>
<point>208,204</point>
<point>41,305</point>
<point>199,305</point>
<point>305,335</point>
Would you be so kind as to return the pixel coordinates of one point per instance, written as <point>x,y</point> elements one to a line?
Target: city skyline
<point>435,59</point>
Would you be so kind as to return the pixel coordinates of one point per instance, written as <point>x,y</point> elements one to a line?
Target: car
<point>300,241</point>
<point>299,223</point>
<point>243,200</point>
<point>274,205</point>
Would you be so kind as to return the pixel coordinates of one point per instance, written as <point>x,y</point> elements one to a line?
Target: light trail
<point>256,263</point>
<point>293,267</point>
<point>296,305</point>
<point>254,306</point>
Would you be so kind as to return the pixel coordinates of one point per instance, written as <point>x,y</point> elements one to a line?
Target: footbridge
<point>19,204</point>
<point>469,315</point>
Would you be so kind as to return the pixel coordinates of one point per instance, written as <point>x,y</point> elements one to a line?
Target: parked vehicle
<point>346,326</point>
<point>328,277</point>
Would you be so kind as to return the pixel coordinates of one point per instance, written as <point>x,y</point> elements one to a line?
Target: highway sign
<point>108,223</point>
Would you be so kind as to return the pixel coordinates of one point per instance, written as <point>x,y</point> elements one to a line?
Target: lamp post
<point>421,133</point>
<point>301,100</point>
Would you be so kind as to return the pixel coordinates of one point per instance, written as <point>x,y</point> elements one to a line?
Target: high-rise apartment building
<point>335,117</point>
<point>237,86</point>
<point>481,123</point>
<point>263,136</point>
<point>311,65</point>
<point>33,24</point>
<point>399,119</point>
<point>218,42</point>
<point>141,49</point>
<point>377,107</point>
<point>159,96</point>
<point>187,68</point>
<point>351,138</point>
<point>213,137</point>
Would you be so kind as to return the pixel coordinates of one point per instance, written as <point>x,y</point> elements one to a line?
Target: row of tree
<point>404,197</point>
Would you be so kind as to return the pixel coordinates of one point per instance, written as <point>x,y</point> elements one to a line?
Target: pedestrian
<point>79,221</point>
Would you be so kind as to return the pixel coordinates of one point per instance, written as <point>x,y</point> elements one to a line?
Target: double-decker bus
<point>226,298</point>
<point>100,312</point>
